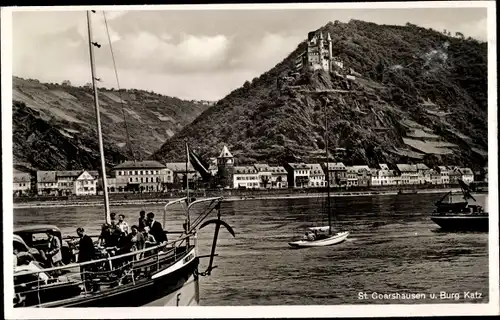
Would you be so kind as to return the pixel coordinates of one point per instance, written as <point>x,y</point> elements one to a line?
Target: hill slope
<point>54,126</point>
<point>421,96</point>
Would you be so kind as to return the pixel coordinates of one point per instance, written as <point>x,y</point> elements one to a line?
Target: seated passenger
<point>310,236</point>
<point>24,262</point>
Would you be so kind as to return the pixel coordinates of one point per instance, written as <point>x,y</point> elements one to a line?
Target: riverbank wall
<point>229,195</point>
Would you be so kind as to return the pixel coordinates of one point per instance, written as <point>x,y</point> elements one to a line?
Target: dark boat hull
<point>462,222</point>
<point>178,288</point>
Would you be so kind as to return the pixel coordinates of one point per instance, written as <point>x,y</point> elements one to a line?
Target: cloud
<point>144,50</point>
<point>202,54</point>
<point>264,53</point>
<point>476,29</point>
<point>98,27</point>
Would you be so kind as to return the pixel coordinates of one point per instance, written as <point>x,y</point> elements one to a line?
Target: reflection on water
<point>393,248</point>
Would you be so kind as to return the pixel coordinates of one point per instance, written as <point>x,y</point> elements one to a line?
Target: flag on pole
<point>199,165</point>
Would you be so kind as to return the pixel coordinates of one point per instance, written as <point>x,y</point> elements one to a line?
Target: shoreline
<point>63,204</point>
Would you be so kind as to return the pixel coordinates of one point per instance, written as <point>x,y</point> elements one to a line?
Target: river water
<point>393,247</point>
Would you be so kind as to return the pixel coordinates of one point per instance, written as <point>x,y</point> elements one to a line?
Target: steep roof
<point>296,166</point>
<point>383,166</point>
<point>467,171</point>
<point>335,166</point>
<point>277,170</point>
<point>140,165</point>
<point>179,167</point>
<point>443,169</point>
<point>83,172</point>
<point>21,177</point>
<point>262,167</point>
<point>225,153</point>
<point>316,169</point>
<point>68,173</point>
<point>421,166</point>
<point>46,176</point>
<point>403,167</point>
<point>245,169</point>
<point>361,168</point>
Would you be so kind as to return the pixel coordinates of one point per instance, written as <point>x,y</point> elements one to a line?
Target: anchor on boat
<point>218,223</point>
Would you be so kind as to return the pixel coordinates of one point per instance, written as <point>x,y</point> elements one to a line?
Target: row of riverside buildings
<point>152,176</point>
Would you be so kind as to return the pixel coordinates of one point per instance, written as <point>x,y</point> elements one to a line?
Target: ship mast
<point>327,170</point>
<point>98,119</point>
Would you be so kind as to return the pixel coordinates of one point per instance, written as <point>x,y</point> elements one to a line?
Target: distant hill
<point>420,95</point>
<point>54,126</point>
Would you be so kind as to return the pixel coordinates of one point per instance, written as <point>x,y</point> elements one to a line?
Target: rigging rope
<point>121,100</point>
<point>119,89</point>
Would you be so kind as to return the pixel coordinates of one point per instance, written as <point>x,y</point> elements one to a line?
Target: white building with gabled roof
<point>278,177</point>
<point>265,175</point>
<point>85,184</point>
<point>467,175</point>
<point>316,176</point>
<point>408,172</point>
<point>246,177</point>
<point>298,175</point>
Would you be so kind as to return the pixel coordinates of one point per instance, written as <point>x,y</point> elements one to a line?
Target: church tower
<point>225,168</point>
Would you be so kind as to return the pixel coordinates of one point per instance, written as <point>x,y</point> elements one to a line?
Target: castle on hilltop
<point>318,54</point>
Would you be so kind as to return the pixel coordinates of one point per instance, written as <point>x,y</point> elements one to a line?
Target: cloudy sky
<point>191,54</point>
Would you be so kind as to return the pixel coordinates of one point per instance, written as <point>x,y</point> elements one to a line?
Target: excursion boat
<point>322,236</point>
<point>464,215</point>
<point>166,274</point>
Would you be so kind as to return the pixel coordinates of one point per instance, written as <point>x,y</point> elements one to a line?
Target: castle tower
<point>330,51</point>
<point>225,168</point>
<point>321,48</point>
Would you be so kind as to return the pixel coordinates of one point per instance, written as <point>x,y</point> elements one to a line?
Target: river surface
<point>393,247</point>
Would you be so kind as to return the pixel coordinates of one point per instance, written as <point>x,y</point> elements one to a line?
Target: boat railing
<point>96,275</point>
<point>170,245</point>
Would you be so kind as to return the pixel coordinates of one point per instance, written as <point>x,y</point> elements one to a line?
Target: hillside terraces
<point>54,125</point>
<point>397,74</point>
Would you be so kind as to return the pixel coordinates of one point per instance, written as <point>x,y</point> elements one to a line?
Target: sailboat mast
<point>327,171</point>
<point>98,119</point>
<point>187,183</point>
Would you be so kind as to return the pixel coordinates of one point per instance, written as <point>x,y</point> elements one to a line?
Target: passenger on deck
<point>86,253</point>
<point>122,225</point>
<point>156,229</point>
<point>149,238</point>
<point>54,254</point>
<point>25,262</point>
<point>113,221</point>
<point>86,250</point>
<point>142,220</point>
<point>137,239</point>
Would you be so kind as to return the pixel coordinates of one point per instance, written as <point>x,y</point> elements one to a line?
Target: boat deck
<point>76,282</point>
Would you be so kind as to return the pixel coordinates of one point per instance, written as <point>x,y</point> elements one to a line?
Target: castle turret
<point>225,168</point>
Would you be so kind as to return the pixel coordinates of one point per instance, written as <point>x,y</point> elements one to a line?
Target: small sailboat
<point>322,236</point>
